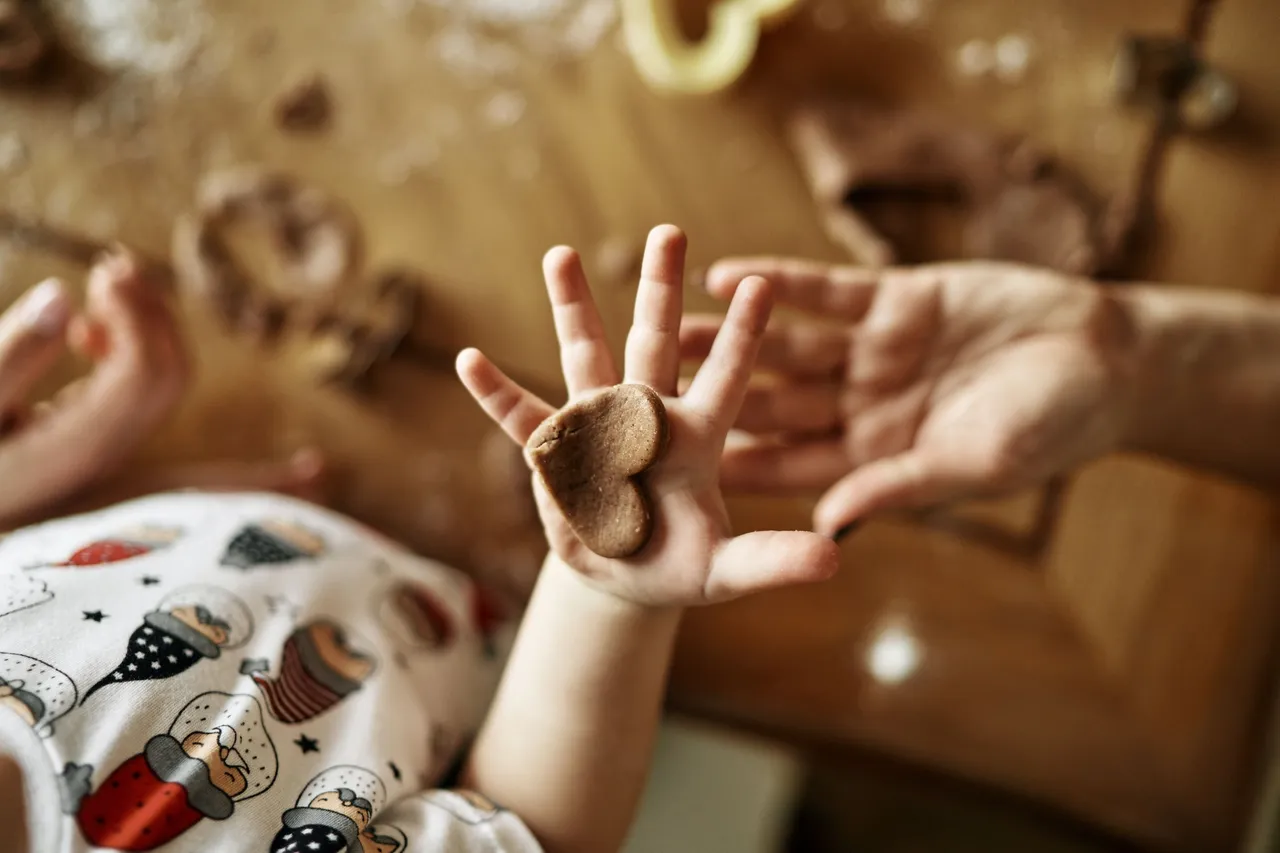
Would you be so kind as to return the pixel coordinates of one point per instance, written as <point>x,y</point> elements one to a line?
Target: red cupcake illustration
<point>216,754</point>
<point>127,544</point>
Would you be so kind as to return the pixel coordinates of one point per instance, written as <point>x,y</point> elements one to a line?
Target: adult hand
<point>923,386</point>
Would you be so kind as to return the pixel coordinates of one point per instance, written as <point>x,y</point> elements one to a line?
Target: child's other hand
<point>692,557</point>
<point>53,451</point>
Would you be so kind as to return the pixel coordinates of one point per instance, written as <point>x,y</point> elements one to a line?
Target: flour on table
<point>504,109</point>
<point>905,12</point>
<point>487,38</point>
<point>152,37</point>
<point>1012,56</point>
<point>13,152</point>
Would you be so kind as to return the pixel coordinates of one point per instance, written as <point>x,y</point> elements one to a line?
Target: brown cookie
<point>588,455</point>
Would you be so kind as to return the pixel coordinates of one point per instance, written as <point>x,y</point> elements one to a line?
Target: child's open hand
<point>692,557</point>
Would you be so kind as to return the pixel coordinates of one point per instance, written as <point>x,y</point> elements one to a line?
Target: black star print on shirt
<point>94,615</point>
<point>307,744</point>
<point>148,580</point>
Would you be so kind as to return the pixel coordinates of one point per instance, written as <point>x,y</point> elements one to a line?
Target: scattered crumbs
<point>975,58</point>
<point>306,106</point>
<point>588,26</point>
<point>830,15</point>
<point>524,164</point>
<point>487,39</point>
<point>504,109</point>
<point>398,165</point>
<point>505,12</point>
<point>1012,56</point>
<point>905,12</point>
<point>466,53</point>
<point>13,152</point>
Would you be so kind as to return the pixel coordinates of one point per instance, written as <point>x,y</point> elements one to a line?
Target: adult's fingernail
<point>46,310</point>
<point>847,529</point>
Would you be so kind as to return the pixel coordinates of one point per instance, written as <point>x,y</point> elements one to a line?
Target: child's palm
<point>692,557</point>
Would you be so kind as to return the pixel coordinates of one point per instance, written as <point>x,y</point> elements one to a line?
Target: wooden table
<point>1119,671</point>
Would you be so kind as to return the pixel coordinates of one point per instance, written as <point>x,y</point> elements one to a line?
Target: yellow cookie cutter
<point>669,62</point>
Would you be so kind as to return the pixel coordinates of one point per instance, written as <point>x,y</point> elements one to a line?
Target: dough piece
<point>316,240</point>
<point>306,107</point>
<point>24,43</point>
<point>1022,205</point>
<point>589,455</point>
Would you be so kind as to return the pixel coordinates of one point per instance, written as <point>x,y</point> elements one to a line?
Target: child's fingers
<point>720,384</point>
<point>516,410</point>
<point>32,335</point>
<point>798,348</point>
<point>584,352</point>
<point>764,560</point>
<point>142,339</point>
<point>653,353</point>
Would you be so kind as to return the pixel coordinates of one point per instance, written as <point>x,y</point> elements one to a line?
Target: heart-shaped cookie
<point>667,61</point>
<point>589,455</point>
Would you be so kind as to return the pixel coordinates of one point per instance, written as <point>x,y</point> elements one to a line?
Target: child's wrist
<point>585,590</point>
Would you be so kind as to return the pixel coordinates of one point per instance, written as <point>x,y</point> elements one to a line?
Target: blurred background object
<point>1086,667</point>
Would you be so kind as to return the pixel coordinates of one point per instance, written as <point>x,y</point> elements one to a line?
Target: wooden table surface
<point>1119,671</point>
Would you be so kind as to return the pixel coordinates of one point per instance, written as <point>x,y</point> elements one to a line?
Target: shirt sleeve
<point>455,820</point>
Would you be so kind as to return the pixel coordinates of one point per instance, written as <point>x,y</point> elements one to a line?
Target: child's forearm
<point>568,741</point>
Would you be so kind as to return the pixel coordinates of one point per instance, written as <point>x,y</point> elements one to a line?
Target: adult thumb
<point>909,480</point>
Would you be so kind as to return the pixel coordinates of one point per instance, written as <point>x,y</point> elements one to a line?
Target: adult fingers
<point>768,559</point>
<point>720,384</point>
<point>798,348</point>
<point>653,352</point>
<point>517,411</point>
<point>790,408</point>
<point>801,467</point>
<point>909,480</point>
<point>840,292</point>
<point>32,338</point>
<point>584,352</point>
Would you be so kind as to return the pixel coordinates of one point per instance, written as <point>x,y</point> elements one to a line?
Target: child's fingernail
<point>847,529</point>
<point>47,310</point>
